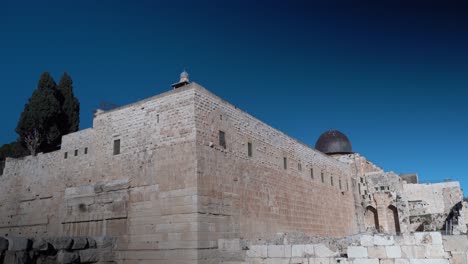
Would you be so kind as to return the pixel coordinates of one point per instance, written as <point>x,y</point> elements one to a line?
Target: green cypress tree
<point>39,124</point>
<point>70,105</point>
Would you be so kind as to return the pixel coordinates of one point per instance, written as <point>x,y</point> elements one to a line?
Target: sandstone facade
<point>170,177</point>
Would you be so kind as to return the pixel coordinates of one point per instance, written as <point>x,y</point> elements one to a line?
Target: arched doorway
<point>393,220</point>
<point>372,219</point>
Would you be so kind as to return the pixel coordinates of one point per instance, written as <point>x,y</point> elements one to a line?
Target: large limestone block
<point>64,257</point>
<point>276,251</point>
<point>299,261</point>
<point>61,242</point>
<point>40,244</point>
<point>401,261</point>
<point>257,251</point>
<point>435,251</point>
<point>393,251</point>
<point>357,252</point>
<point>277,261</point>
<point>367,240</point>
<point>455,243</point>
<point>79,243</point>
<point>366,261</point>
<point>387,261</point>
<point>429,261</point>
<point>229,244</point>
<point>3,244</point>
<point>89,255</point>
<point>383,240</point>
<point>377,252</point>
<point>323,251</point>
<point>18,243</point>
<point>414,251</point>
<point>297,250</point>
<point>319,261</point>
<point>430,238</point>
<point>459,258</point>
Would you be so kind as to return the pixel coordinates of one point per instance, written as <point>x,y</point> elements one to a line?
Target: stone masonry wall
<point>256,196</point>
<point>416,248</point>
<point>145,196</point>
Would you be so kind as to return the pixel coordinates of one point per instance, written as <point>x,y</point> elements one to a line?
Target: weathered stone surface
<point>60,243</point>
<point>323,251</point>
<point>377,252</point>
<point>393,251</point>
<point>382,240</point>
<point>64,257</point>
<point>89,255</point>
<point>257,251</point>
<point>17,257</point>
<point>18,243</point>
<point>3,244</point>
<point>79,243</point>
<point>91,242</point>
<point>40,244</point>
<point>357,252</point>
<point>455,243</point>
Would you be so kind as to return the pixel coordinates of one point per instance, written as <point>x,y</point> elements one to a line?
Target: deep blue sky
<point>392,76</point>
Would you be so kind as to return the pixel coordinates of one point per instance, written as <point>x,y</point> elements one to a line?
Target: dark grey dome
<point>334,142</point>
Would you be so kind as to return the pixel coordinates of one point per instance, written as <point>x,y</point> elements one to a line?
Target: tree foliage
<point>50,113</point>
<point>70,105</point>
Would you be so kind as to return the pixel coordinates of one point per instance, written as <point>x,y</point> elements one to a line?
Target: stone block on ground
<point>357,252</point>
<point>89,255</point>
<point>18,244</point>
<point>3,244</point>
<point>79,243</point>
<point>65,257</point>
<point>323,251</point>
<point>60,243</point>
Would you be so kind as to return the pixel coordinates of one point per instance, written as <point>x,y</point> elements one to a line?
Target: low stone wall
<point>56,250</point>
<point>417,248</point>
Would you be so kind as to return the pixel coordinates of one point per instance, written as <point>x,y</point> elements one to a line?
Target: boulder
<point>3,244</point>
<point>79,243</point>
<point>60,243</point>
<point>18,244</point>
<point>64,257</point>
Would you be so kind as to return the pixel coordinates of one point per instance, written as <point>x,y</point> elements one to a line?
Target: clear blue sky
<point>392,76</point>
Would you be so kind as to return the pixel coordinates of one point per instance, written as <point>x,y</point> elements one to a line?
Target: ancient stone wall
<point>262,181</point>
<point>144,194</point>
<point>417,248</point>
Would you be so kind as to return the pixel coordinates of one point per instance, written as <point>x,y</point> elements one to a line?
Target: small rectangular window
<point>362,180</point>
<point>222,139</point>
<point>312,173</point>
<point>347,185</point>
<point>249,149</point>
<point>382,188</point>
<point>322,176</point>
<point>285,163</point>
<point>157,118</point>
<point>331,180</point>
<point>220,117</point>
<point>299,167</point>
<point>76,152</point>
<point>65,155</point>
<point>85,151</point>
<point>117,147</point>
<point>339,182</point>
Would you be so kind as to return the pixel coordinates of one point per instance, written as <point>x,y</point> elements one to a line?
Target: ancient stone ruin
<point>186,177</point>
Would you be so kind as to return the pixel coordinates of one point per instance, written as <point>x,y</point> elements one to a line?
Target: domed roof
<point>184,74</point>
<point>334,142</point>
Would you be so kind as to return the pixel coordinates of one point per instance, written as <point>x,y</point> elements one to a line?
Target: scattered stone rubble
<point>56,250</point>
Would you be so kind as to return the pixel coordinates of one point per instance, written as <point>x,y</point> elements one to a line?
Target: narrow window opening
<point>347,185</point>
<point>157,118</point>
<point>117,147</point>
<point>285,163</point>
<point>299,167</point>
<point>323,177</point>
<point>249,149</point>
<point>339,182</point>
<point>222,139</point>
<point>85,151</point>
<point>65,155</point>
<point>76,152</point>
<point>220,117</point>
<point>312,173</point>
<point>331,180</point>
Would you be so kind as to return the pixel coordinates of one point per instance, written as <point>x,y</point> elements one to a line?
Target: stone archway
<point>372,218</point>
<point>393,221</point>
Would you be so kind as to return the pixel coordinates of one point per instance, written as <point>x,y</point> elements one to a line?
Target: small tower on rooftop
<point>184,80</point>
